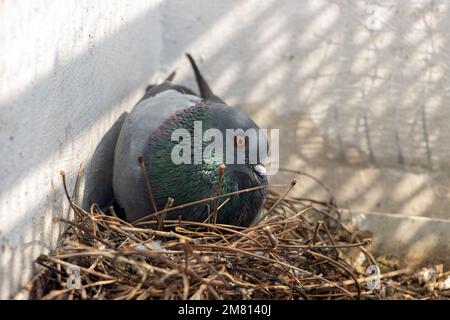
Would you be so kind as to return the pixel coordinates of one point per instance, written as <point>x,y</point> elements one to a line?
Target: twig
<point>162,216</point>
<point>292,185</point>
<point>219,188</point>
<point>202,201</point>
<point>148,186</point>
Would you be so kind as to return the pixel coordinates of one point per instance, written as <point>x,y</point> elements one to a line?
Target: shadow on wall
<point>63,119</point>
<point>349,99</point>
<point>358,90</point>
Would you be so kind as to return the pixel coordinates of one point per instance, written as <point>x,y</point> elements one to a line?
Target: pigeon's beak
<point>260,174</point>
<point>260,170</point>
<point>253,174</point>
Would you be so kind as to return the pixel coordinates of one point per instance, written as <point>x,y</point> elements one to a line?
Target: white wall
<point>68,71</point>
<point>359,89</point>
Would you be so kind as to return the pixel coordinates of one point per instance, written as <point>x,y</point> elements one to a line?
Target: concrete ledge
<point>415,240</point>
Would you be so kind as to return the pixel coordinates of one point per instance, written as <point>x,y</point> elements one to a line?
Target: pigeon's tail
<point>205,91</point>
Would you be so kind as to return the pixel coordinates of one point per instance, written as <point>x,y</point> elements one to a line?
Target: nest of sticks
<point>298,250</point>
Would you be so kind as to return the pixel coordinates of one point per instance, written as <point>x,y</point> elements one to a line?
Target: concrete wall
<point>358,88</point>
<point>68,70</point>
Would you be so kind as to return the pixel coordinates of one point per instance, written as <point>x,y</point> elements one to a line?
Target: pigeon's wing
<point>147,116</point>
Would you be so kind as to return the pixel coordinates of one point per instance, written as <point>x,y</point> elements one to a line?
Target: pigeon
<point>147,135</point>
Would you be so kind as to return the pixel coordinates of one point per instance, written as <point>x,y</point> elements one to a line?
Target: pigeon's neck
<point>183,119</point>
<point>190,181</point>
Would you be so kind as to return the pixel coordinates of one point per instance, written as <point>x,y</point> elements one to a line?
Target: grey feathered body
<point>146,117</point>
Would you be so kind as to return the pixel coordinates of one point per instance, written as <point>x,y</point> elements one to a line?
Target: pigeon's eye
<point>239,141</point>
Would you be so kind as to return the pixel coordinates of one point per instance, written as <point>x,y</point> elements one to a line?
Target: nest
<point>298,250</point>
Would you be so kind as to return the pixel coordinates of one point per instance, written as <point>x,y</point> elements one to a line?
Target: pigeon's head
<point>183,159</point>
